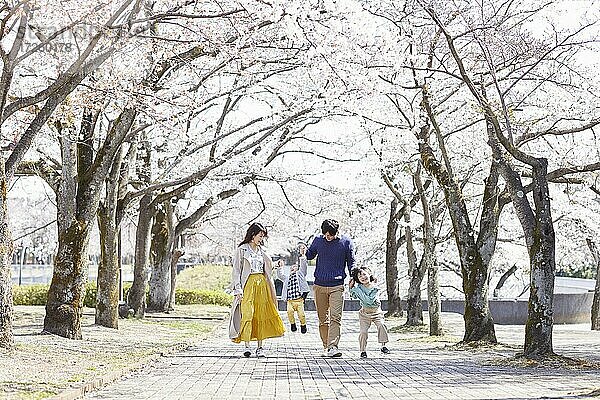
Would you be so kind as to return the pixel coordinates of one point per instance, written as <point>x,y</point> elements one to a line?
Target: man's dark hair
<point>331,226</point>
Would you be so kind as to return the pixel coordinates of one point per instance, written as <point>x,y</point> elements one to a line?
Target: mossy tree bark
<point>392,244</point>
<point>479,325</point>
<point>428,260</point>
<point>542,260</point>
<point>174,260</point>
<point>163,237</point>
<point>110,215</point>
<point>107,298</point>
<point>136,296</point>
<point>6,301</point>
<point>596,301</point>
<point>416,272</point>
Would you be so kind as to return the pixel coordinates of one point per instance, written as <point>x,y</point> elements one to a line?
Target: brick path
<point>294,369</point>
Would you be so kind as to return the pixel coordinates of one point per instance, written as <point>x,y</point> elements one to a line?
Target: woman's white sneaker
<point>334,352</point>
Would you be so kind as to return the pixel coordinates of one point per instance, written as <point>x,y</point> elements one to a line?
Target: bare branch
<point>556,132</point>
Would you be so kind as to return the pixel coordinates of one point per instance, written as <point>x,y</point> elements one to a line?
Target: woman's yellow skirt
<point>260,319</point>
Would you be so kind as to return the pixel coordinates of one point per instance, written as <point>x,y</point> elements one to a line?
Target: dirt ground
<point>44,365</point>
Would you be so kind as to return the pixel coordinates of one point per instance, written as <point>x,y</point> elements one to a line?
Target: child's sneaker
<point>385,350</point>
<point>363,354</point>
<point>260,352</point>
<point>303,328</point>
<point>293,327</point>
<point>247,353</point>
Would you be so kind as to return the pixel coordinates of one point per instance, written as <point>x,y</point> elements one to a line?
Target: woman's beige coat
<point>239,277</point>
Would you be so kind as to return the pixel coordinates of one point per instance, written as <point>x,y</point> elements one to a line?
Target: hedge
<point>36,295</point>
<point>30,295</point>
<point>189,296</point>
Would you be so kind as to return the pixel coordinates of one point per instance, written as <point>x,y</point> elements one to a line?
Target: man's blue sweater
<point>332,259</point>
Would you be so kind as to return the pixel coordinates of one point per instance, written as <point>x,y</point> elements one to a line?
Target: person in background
<point>303,265</point>
<point>294,285</point>
<point>254,313</point>
<point>362,288</point>
<point>334,254</point>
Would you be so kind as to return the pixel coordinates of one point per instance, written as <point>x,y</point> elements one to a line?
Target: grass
<point>205,277</point>
<point>77,377</point>
<point>36,395</point>
<point>195,327</point>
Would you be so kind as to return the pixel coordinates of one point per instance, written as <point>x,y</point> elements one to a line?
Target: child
<point>294,286</point>
<point>361,288</point>
<point>304,266</point>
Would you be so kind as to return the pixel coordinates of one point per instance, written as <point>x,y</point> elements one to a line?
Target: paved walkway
<point>416,369</point>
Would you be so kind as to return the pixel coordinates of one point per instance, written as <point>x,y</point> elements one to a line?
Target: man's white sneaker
<point>334,352</point>
<point>260,352</point>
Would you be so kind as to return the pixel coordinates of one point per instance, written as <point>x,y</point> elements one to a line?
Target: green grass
<point>37,395</point>
<point>76,378</point>
<point>195,327</point>
<point>205,277</point>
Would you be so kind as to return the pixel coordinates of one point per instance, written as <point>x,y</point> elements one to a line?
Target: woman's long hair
<point>252,231</point>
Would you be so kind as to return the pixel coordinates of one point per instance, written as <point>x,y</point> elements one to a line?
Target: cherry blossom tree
<point>25,111</point>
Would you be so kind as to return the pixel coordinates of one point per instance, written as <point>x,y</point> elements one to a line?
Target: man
<point>335,254</point>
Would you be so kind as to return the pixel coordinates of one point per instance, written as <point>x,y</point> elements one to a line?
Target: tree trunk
<point>538,330</point>
<point>429,260</point>
<point>64,307</point>
<point>433,296</point>
<point>107,298</point>
<point>479,325</point>
<point>136,297</point>
<point>174,260</point>
<point>414,307</point>
<point>161,246</point>
<point>391,264</point>
<point>6,300</point>
<point>77,202</point>
<point>596,301</point>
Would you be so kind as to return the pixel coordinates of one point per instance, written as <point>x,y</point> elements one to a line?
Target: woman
<point>254,315</point>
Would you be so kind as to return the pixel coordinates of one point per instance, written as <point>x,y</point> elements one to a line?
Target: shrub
<point>30,295</point>
<point>189,296</point>
<point>91,291</point>
<point>205,277</point>
<point>37,295</point>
